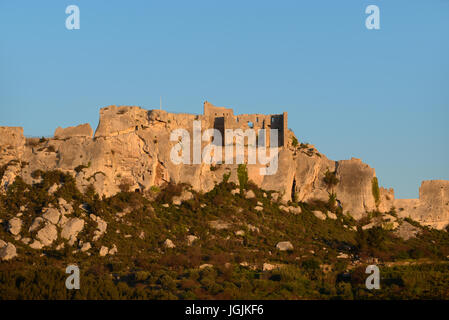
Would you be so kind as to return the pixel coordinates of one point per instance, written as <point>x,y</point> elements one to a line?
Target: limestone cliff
<point>131,146</point>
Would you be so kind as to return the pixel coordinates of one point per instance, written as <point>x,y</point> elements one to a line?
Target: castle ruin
<point>224,118</point>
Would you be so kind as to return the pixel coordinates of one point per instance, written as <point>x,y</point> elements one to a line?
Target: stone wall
<point>224,118</point>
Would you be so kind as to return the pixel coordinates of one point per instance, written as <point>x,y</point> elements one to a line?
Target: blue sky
<point>379,95</point>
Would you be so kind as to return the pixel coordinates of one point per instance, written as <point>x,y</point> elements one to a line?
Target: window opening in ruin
<point>250,124</point>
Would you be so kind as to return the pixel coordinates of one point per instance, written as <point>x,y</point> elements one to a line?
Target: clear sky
<point>379,95</point>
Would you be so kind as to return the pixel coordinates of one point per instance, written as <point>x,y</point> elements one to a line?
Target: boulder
<point>169,244</point>
<point>113,250</point>
<point>36,245</point>
<point>66,208</point>
<point>331,215</point>
<point>47,234</point>
<point>270,267</point>
<point>319,215</point>
<point>8,252</point>
<point>250,194</point>
<point>36,224</point>
<point>71,229</point>
<point>53,189</point>
<point>284,246</point>
<point>252,228</point>
<point>103,251</point>
<point>14,226</point>
<point>191,239</point>
<point>52,215</point>
<point>86,246</point>
<point>295,210</point>
<point>219,224</point>
<point>369,225</point>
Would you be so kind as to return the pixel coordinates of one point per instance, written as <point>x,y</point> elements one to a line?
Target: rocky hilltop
<point>131,149</point>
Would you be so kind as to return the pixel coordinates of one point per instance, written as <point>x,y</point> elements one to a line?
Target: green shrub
<point>143,269</point>
<point>330,178</point>
<point>294,142</point>
<point>3,170</point>
<point>226,177</point>
<point>375,190</point>
<point>242,174</point>
<point>82,167</point>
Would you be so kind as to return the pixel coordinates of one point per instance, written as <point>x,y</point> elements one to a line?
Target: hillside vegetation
<point>222,244</point>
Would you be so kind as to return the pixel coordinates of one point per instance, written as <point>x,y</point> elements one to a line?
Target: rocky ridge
<point>131,149</point>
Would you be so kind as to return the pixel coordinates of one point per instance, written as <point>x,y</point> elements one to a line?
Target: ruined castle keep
<point>224,118</point>
<point>132,145</point>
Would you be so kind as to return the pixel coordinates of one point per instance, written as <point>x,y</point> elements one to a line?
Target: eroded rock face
<point>432,207</point>
<point>406,231</point>
<point>12,142</point>
<point>132,146</point>
<point>83,130</point>
<point>101,227</point>
<point>354,189</point>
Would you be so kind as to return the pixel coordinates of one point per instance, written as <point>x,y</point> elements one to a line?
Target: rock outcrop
<point>47,235</point>
<point>354,189</point>
<point>14,226</point>
<point>83,131</point>
<point>432,207</point>
<point>71,229</point>
<point>132,149</point>
<point>7,251</point>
